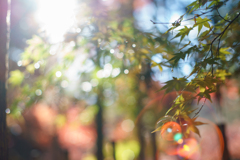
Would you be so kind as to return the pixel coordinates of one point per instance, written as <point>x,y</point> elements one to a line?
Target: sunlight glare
<point>56,17</point>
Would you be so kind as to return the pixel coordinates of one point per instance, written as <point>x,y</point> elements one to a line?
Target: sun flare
<point>55,17</point>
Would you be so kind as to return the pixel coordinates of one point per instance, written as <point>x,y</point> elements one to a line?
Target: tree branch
<point>221,16</point>
<point>220,36</point>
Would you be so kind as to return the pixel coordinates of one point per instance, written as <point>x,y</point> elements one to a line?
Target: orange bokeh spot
<point>169,129</point>
<point>180,141</point>
<point>189,149</point>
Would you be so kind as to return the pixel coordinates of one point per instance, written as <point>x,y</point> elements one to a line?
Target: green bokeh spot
<point>177,136</point>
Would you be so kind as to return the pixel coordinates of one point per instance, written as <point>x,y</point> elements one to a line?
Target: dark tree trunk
<point>154,145</point>
<point>114,150</point>
<point>226,155</point>
<point>99,116</point>
<point>141,141</point>
<point>99,122</point>
<point>3,71</point>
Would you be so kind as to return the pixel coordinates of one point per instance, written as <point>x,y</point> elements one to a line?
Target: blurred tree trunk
<point>3,71</point>
<point>226,155</point>
<point>148,81</point>
<point>154,145</point>
<point>99,116</point>
<point>140,125</point>
<point>141,139</point>
<point>57,152</point>
<point>99,122</point>
<point>114,150</point>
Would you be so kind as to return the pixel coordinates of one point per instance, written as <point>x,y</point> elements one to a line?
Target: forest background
<point>92,76</point>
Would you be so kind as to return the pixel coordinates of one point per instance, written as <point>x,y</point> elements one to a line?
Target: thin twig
<point>221,16</point>
<point>200,108</point>
<point>218,49</point>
